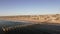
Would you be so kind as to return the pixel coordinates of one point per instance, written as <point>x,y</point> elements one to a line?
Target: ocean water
<point>35,28</point>
<point>4,23</point>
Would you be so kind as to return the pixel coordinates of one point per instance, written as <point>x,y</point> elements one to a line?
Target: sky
<point>29,7</point>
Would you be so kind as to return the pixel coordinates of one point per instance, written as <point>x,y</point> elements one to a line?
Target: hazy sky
<point>26,7</point>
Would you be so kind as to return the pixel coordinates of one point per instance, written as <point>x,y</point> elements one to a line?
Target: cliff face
<point>34,18</point>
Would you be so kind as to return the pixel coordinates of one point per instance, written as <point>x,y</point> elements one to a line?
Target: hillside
<point>52,18</point>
